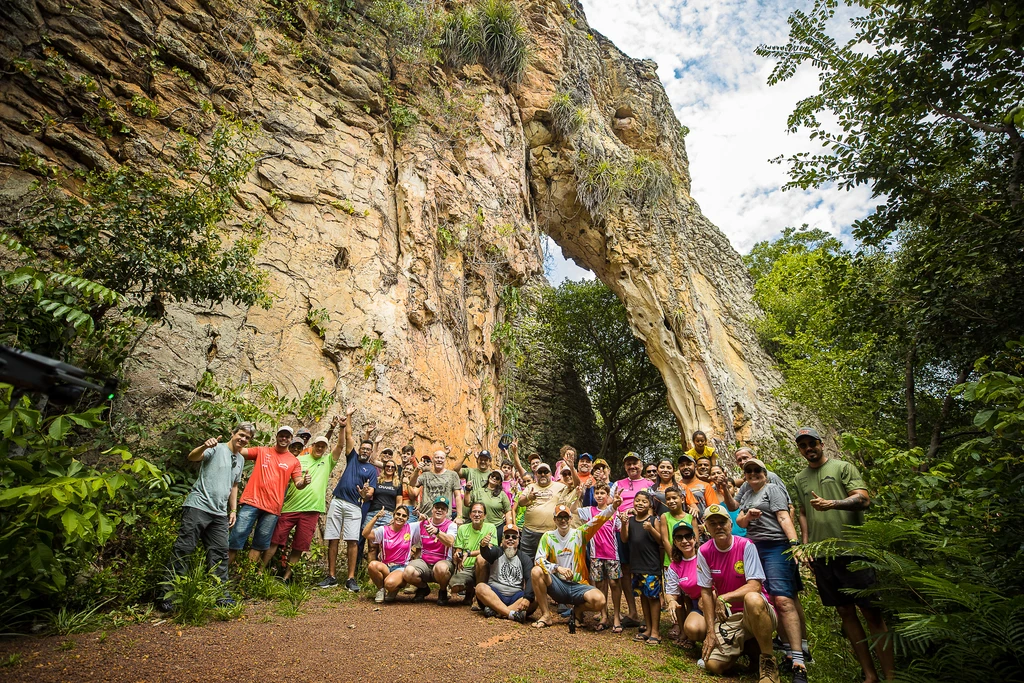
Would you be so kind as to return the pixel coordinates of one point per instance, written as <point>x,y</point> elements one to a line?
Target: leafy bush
<point>195,593</point>
<point>412,28</point>
<point>567,116</point>
<point>647,180</point>
<point>600,181</point>
<point>64,621</point>
<point>461,42</point>
<point>504,39</point>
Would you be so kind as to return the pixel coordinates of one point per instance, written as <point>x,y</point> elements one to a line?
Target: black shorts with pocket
<point>835,575</point>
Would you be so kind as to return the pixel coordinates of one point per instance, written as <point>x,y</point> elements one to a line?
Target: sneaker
<point>380,596</point>
<point>777,644</point>
<point>421,594</point>
<point>164,606</point>
<point>808,659</point>
<point>768,670</point>
<point>442,597</point>
<point>518,616</point>
<point>391,597</point>
<point>352,585</point>
<point>787,665</point>
<point>328,582</point>
<point>799,674</point>
<point>488,612</point>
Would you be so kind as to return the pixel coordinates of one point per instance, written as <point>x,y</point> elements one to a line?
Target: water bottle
<point>700,663</point>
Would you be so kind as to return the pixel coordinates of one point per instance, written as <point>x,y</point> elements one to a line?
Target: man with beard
<point>437,535</point>
<point>438,482</point>
<point>345,515</point>
<point>539,500</point>
<point>264,494</point>
<point>832,496</point>
<point>699,494</point>
<point>508,591</point>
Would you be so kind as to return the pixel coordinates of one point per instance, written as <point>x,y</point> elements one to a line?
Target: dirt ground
<point>339,637</point>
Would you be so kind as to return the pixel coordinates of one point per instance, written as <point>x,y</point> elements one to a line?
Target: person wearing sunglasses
<point>765,516</point>
<point>508,591</point>
<point>387,495</point>
<point>681,589</point>
<point>396,541</point>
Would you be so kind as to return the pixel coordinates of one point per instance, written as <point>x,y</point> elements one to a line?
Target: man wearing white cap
<point>264,494</point>
<point>302,508</point>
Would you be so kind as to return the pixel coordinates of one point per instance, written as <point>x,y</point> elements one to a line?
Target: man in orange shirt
<point>699,494</point>
<point>264,494</point>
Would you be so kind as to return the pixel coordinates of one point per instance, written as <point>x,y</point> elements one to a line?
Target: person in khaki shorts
<point>736,608</point>
<point>437,534</point>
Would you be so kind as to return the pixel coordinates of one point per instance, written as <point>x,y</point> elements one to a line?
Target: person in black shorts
<point>833,496</point>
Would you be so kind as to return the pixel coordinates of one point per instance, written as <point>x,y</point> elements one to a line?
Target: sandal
<point>601,627</point>
<point>540,623</point>
<point>653,641</point>
<point>630,622</point>
<point>616,629</point>
<point>685,643</point>
<point>640,638</point>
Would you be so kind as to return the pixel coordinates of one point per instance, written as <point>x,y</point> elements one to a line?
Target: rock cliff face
<point>398,239</point>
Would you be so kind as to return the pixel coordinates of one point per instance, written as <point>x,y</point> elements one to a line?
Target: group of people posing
<point>720,554</point>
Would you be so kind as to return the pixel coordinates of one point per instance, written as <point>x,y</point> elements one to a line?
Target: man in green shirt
<point>302,507</point>
<point>467,548</point>
<point>476,478</point>
<point>832,495</point>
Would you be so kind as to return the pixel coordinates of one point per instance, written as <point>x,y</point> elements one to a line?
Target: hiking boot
<point>768,669</point>
<point>391,597</point>
<point>799,674</point>
<point>328,582</point>
<point>379,598</point>
<point>488,612</point>
<point>442,597</point>
<point>352,585</point>
<point>421,594</point>
<point>518,616</point>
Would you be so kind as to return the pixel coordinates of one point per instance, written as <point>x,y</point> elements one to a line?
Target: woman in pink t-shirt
<point>396,541</point>
<point>682,589</point>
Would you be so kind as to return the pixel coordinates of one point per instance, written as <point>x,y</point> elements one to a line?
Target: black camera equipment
<point>63,383</point>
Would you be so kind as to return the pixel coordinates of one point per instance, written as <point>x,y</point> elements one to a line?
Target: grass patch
<point>567,116</point>
<point>66,621</point>
<point>194,594</point>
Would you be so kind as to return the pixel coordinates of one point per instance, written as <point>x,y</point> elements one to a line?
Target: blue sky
<point>718,88</point>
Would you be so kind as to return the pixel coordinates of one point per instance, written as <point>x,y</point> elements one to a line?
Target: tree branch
<point>947,408</point>
<point>970,121</point>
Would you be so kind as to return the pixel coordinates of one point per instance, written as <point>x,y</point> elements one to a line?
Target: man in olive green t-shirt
<point>832,495</point>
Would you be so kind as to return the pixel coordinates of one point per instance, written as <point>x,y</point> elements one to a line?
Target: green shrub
<point>600,182</point>
<point>252,583</point>
<point>293,597</point>
<point>66,621</point>
<point>461,41</point>
<point>647,181</point>
<point>195,593</point>
<point>504,39</point>
<point>412,28</point>
<point>567,116</point>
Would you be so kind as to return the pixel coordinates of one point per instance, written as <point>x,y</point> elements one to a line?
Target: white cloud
<point>717,85</point>
<point>558,268</point>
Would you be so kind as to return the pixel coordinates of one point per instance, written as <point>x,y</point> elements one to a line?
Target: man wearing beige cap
<point>302,508</point>
<point>539,500</point>
<point>561,567</point>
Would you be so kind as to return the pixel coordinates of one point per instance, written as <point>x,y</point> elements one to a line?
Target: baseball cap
<point>295,441</point>
<point>601,462</point>
<point>755,461</point>
<point>498,472</point>
<point>562,510</point>
<point>483,454</point>
<point>285,428</point>
<point>630,456</point>
<point>716,510</point>
<point>321,439</point>
<point>807,431</point>
<point>441,500</point>
<point>585,456</point>
<point>683,457</point>
<point>543,466</point>
<point>303,430</point>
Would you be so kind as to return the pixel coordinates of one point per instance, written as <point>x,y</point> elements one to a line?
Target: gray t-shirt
<point>434,485</point>
<point>506,575</point>
<point>220,470</point>
<point>769,500</point>
<point>773,478</point>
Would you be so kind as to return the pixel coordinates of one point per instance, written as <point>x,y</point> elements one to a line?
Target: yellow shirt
<point>709,452</point>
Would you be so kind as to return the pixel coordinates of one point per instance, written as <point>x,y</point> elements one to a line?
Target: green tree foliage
<point>586,326</point>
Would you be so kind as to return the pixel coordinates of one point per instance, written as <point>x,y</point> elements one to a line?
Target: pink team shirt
<point>396,546</point>
<point>628,488</point>
<point>602,546</point>
<point>433,549</point>
<point>681,577</point>
<point>727,570</point>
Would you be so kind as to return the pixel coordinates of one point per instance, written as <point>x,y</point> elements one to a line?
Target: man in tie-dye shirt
<point>561,567</point>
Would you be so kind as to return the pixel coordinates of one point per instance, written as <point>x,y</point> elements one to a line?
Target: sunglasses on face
<point>511,537</point>
<point>753,470</point>
<point>388,467</point>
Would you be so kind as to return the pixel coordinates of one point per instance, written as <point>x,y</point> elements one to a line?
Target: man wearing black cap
<point>832,496</point>
<point>476,478</point>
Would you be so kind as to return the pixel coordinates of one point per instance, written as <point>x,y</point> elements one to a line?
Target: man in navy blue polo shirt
<point>345,515</point>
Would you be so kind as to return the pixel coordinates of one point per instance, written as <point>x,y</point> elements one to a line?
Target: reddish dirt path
<point>396,642</point>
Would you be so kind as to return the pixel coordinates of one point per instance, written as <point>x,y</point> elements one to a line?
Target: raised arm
<point>197,453</point>
<point>513,448</point>
<point>350,442</point>
<point>368,529</point>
